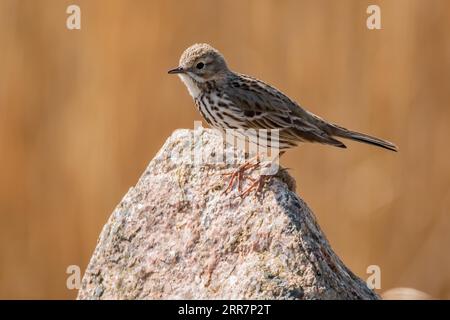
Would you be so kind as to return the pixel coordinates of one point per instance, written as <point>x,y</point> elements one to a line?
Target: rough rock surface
<point>175,235</point>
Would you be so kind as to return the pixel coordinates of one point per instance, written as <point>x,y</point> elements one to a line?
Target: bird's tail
<point>361,137</point>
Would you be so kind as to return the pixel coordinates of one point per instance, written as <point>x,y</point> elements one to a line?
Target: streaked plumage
<point>229,100</point>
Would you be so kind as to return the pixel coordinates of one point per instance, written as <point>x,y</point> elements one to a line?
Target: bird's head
<point>202,63</point>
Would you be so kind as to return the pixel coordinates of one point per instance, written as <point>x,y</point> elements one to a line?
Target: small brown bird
<point>229,100</point>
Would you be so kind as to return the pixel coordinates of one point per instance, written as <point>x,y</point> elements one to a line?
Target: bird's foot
<point>238,175</point>
<point>257,184</point>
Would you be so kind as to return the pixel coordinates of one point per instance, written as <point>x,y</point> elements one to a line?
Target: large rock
<point>175,235</point>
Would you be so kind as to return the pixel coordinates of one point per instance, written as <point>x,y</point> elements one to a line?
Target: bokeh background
<point>83,112</point>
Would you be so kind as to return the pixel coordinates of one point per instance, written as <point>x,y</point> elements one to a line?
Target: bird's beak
<point>176,70</point>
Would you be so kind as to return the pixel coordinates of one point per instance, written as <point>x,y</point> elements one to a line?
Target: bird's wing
<point>265,107</point>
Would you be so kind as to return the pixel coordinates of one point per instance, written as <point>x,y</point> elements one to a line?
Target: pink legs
<point>238,176</point>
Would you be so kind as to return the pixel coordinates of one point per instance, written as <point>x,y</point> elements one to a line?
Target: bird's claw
<point>256,183</point>
<point>239,175</point>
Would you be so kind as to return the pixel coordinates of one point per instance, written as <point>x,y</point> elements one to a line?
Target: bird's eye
<point>200,65</point>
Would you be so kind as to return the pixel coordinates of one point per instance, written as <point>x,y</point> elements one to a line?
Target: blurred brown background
<point>83,112</point>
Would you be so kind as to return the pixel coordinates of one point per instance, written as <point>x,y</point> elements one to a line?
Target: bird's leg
<point>239,173</point>
<point>257,184</point>
<point>269,171</point>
